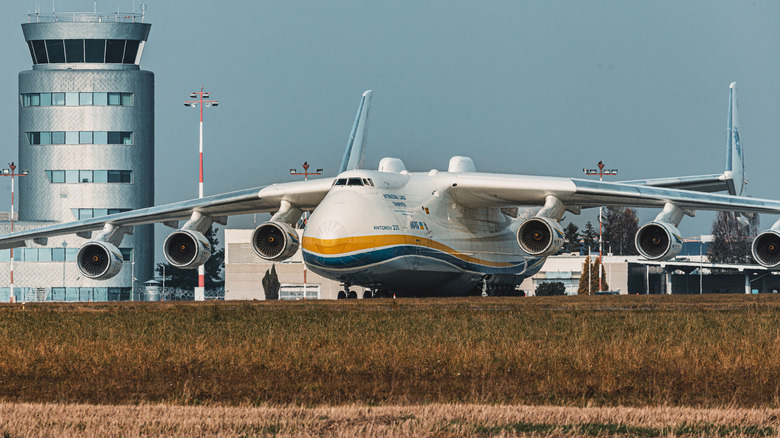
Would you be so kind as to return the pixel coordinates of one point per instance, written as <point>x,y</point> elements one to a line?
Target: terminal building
<point>86,140</point>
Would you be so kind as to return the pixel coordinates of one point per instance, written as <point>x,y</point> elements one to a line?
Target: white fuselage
<point>401,232</point>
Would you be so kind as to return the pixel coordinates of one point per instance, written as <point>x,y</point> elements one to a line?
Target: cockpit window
<point>371,182</point>
<point>340,182</point>
<point>354,182</point>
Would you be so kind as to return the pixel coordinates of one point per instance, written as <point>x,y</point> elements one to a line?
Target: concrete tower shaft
<point>86,128</point>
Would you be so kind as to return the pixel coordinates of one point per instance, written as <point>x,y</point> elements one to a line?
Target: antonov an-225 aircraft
<point>431,233</point>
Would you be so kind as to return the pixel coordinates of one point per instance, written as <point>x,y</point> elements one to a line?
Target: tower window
<point>90,176</point>
<point>40,51</point>
<point>84,50</point>
<point>80,137</point>
<point>56,51</point>
<point>115,51</point>
<point>94,50</point>
<point>77,99</point>
<point>74,49</point>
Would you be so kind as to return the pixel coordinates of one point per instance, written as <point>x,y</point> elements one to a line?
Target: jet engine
<point>99,260</point>
<point>187,249</point>
<point>658,241</point>
<point>540,236</point>
<point>766,249</point>
<point>275,241</point>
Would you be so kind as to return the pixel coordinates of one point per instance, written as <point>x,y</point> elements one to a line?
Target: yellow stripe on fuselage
<point>345,245</point>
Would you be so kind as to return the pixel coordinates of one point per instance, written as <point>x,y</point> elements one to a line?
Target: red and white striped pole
<point>201,102</point>
<point>601,172</point>
<point>305,174</point>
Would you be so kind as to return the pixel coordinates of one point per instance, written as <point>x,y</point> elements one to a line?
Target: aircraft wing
<point>481,190</point>
<point>303,195</point>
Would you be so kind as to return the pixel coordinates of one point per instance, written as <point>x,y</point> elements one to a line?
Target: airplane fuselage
<point>401,232</point>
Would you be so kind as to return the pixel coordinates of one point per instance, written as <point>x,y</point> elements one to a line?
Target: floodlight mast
<point>600,172</point>
<point>12,173</point>
<point>305,174</point>
<point>201,101</point>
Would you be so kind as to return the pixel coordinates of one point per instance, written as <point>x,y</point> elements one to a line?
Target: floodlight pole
<point>601,172</point>
<point>12,173</point>
<point>305,174</point>
<point>200,102</point>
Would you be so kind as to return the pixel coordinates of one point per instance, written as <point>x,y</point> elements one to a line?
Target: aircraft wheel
<point>341,295</point>
<point>352,294</point>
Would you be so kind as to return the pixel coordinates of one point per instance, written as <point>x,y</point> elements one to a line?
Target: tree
<point>731,239</point>
<point>187,279</point>
<point>619,230</point>
<point>271,284</point>
<point>548,289</point>
<point>589,236</point>
<point>590,272</point>
<point>572,235</point>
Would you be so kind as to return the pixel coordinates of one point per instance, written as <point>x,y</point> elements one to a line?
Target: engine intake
<point>540,236</point>
<point>99,260</point>
<point>187,249</point>
<point>766,249</point>
<point>275,241</point>
<point>658,241</point>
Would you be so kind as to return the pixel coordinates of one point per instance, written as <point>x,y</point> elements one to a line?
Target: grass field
<point>347,421</point>
<point>710,351</point>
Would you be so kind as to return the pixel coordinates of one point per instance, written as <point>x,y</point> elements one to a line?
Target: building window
<point>90,176</point>
<point>77,99</point>
<point>88,213</point>
<point>56,51</point>
<point>51,254</point>
<point>84,50</point>
<point>80,137</point>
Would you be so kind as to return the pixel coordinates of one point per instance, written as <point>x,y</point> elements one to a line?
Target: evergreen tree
<point>590,272</point>
<point>572,235</point>
<point>590,237</point>
<point>731,239</point>
<point>271,284</point>
<point>619,230</point>
<point>187,279</point>
<point>548,289</point>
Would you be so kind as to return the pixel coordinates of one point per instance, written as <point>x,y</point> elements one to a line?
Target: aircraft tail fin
<point>731,180</point>
<point>735,160</point>
<point>356,146</point>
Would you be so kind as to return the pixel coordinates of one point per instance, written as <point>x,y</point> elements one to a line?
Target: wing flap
<point>700,183</point>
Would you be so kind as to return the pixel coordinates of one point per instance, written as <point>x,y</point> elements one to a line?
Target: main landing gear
<point>346,293</point>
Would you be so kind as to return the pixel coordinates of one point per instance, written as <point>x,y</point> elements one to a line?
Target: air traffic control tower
<point>86,136</point>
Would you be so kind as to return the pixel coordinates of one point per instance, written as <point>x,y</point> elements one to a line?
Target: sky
<point>536,88</point>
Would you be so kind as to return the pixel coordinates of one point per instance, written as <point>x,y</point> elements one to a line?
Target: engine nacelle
<point>99,260</point>
<point>540,236</point>
<point>766,249</point>
<point>187,249</point>
<point>658,241</point>
<point>275,241</point>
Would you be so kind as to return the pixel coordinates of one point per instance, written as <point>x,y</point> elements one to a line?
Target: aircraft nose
<point>331,229</point>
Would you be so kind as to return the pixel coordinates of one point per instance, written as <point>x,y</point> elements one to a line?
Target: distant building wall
<point>244,272</point>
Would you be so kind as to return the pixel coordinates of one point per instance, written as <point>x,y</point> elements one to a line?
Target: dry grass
<point>707,351</point>
<point>53,420</point>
